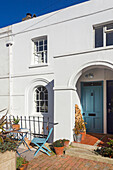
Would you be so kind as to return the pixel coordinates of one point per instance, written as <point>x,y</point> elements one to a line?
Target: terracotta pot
<point>66,143</point>
<point>24,166</point>
<point>16,126</point>
<point>83,135</point>
<point>59,150</point>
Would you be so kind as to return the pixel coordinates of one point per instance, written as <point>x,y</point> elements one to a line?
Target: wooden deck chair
<point>40,143</point>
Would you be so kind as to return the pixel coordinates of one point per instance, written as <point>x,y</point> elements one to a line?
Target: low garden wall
<point>8,160</point>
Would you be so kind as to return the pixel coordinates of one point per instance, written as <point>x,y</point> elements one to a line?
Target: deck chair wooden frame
<point>40,143</point>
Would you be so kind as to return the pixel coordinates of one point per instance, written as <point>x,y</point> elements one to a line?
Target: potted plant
<point>66,142</point>
<point>79,128</point>
<point>58,146</point>
<point>21,163</point>
<point>7,147</point>
<point>15,124</point>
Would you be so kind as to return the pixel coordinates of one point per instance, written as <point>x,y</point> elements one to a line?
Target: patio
<point>66,162</point>
<point>42,161</point>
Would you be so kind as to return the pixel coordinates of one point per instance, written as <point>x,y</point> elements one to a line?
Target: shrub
<point>58,143</point>
<point>7,145</point>
<point>20,161</point>
<point>106,151</point>
<point>6,141</point>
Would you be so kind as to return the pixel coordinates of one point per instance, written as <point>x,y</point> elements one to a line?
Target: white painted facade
<point>71,55</point>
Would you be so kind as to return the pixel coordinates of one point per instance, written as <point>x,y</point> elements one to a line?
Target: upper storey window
<point>104,35</point>
<point>40,50</point>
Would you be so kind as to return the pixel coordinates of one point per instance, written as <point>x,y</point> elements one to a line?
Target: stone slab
<point>87,154</point>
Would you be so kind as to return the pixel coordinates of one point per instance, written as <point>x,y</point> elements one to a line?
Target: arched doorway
<point>94,84</point>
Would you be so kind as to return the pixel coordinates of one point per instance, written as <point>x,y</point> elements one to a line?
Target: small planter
<point>78,137</point>
<point>24,166</point>
<point>16,126</point>
<point>59,150</point>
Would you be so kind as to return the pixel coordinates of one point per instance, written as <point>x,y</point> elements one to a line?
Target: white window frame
<point>105,31</point>
<point>42,108</point>
<point>40,57</point>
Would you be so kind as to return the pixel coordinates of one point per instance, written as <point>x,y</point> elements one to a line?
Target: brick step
<point>87,154</point>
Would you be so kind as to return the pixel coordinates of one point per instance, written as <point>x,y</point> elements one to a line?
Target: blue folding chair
<point>40,143</point>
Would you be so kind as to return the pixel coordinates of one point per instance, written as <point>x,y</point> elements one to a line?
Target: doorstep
<point>86,153</point>
<point>85,148</point>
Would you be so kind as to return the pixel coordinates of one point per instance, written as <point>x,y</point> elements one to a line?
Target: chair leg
<point>47,148</point>
<point>42,150</point>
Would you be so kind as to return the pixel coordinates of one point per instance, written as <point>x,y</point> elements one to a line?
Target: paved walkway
<point>44,162</point>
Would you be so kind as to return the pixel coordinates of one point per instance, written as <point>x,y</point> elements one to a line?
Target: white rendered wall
<point>69,32</point>
<point>70,38</point>
<point>4,68</point>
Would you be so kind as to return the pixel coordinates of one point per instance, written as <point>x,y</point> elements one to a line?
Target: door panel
<point>110,106</point>
<point>92,106</point>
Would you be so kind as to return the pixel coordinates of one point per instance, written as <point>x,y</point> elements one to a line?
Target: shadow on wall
<point>50,115</point>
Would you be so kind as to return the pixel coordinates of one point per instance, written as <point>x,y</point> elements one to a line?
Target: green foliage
<point>16,121</point>
<point>106,151</point>
<point>8,145</point>
<point>20,161</point>
<point>58,143</point>
<point>6,142</point>
<point>110,143</point>
<point>65,140</point>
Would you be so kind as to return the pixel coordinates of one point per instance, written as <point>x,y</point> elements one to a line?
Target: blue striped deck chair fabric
<point>40,143</point>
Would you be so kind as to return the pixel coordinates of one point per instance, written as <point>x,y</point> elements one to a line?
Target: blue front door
<point>92,105</point>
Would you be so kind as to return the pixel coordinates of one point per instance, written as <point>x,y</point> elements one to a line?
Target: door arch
<point>76,75</point>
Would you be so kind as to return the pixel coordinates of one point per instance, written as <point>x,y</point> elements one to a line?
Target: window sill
<point>38,65</point>
<point>104,47</point>
<point>39,114</point>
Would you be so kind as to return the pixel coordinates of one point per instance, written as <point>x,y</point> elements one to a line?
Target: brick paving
<point>44,162</point>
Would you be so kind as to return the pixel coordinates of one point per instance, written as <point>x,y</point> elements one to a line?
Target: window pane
<point>41,96</point>
<point>45,41</point>
<point>46,103</point>
<point>41,48</point>
<point>109,39</point>
<point>41,43</point>
<point>45,47</point>
<point>46,96</point>
<point>99,37</point>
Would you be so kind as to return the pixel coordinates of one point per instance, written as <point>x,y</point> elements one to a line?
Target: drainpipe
<point>9,46</point>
